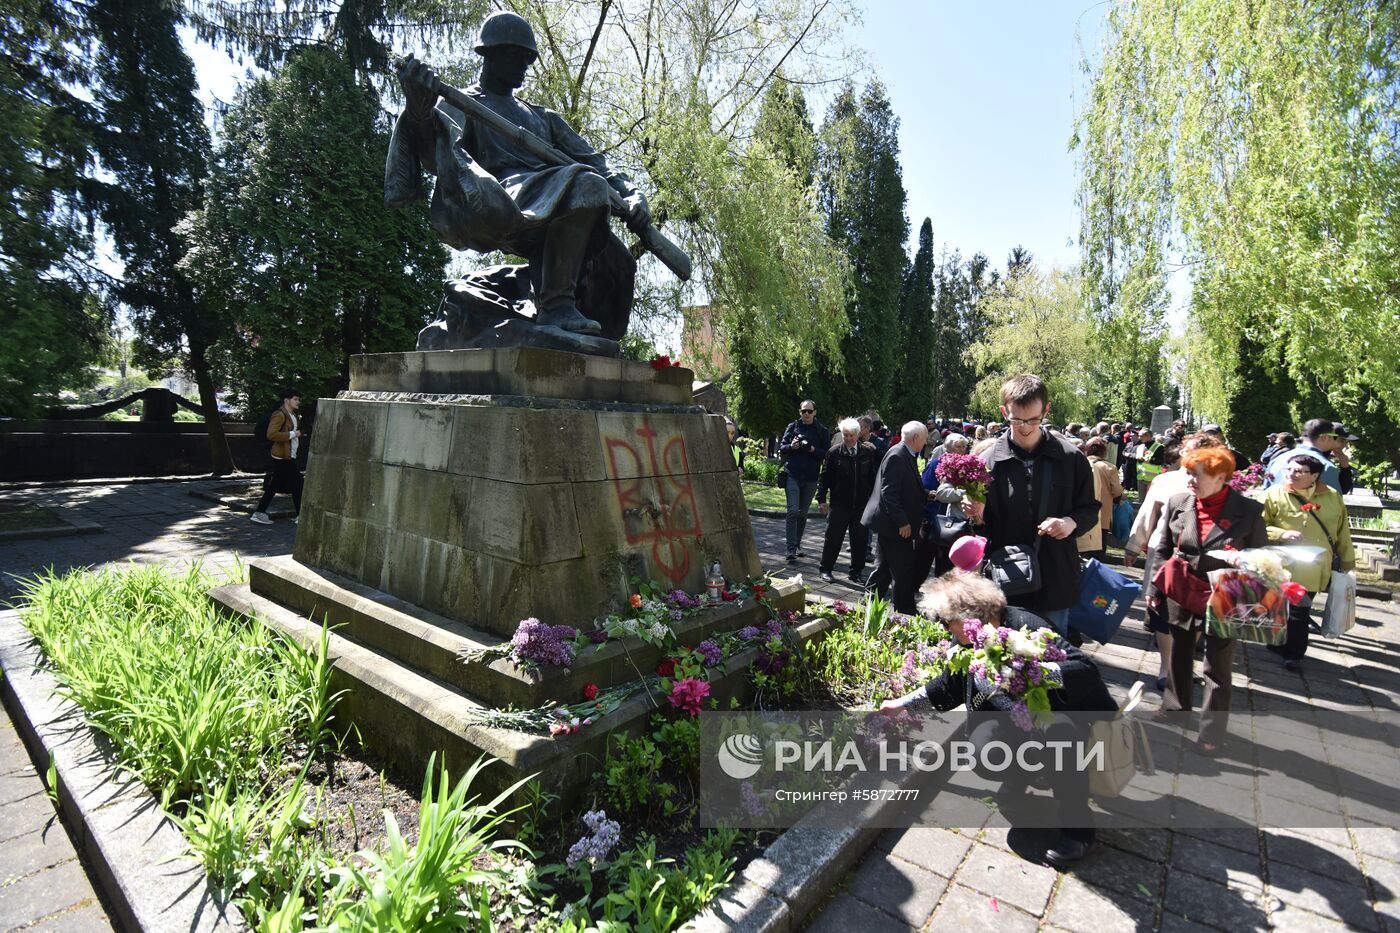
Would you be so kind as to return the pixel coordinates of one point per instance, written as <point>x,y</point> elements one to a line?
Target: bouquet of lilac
<point>1251,477</point>
<point>1022,663</point>
<point>537,642</point>
<point>966,472</point>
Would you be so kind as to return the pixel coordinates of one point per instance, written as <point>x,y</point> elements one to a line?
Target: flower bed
<point>235,729</point>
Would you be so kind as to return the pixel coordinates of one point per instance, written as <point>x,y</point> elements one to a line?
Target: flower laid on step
<point>590,691</point>
<point>597,844</point>
<point>564,724</point>
<point>635,600</point>
<point>535,642</point>
<point>666,667</point>
<point>688,693</point>
<point>710,652</point>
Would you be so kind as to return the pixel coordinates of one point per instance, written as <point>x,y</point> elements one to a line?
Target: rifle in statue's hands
<point>652,239</point>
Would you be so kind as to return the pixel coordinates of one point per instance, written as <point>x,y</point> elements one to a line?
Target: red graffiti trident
<point>666,516</point>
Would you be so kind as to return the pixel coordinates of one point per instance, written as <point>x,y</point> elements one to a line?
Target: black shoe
<point>1068,850</point>
<point>792,558</point>
<point>1293,665</point>
<point>827,577</point>
<point>858,577</point>
<point>1161,684</point>
<point>1314,627</point>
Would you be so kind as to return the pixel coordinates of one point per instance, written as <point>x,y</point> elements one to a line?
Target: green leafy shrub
<point>189,696</point>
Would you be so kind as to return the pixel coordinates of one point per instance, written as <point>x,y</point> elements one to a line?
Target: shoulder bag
<point>1015,568</point>
<point>1177,581</point>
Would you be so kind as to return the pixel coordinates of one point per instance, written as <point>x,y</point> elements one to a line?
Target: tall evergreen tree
<point>913,388</point>
<point>293,245</point>
<point>862,192</point>
<point>49,314</point>
<point>155,145</point>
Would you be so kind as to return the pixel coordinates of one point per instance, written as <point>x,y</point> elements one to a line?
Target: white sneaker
<point>262,518</point>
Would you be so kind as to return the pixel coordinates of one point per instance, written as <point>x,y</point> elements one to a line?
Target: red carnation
<point>590,691</point>
<point>759,591</point>
<point>660,362</point>
<point>728,596</point>
<point>1308,506</point>
<point>667,667</point>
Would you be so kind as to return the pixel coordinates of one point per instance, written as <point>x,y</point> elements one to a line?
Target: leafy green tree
<point>862,194</point>
<point>766,385</point>
<point>155,145</point>
<point>1036,324</point>
<point>53,323</point>
<point>913,388</point>
<point>293,245</point>
<point>1259,140</point>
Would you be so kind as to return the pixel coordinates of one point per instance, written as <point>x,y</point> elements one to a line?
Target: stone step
<point>434,644</point>
<point>406,714</point>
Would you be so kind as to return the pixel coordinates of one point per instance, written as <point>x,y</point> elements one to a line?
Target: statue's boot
<point>564,247</point>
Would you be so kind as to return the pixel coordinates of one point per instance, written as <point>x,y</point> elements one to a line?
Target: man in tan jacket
<point>283,475</point>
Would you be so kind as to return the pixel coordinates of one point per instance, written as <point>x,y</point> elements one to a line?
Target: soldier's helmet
<point>506,28</point>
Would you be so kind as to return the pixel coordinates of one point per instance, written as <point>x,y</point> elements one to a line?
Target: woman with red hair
<point>1209,517</point>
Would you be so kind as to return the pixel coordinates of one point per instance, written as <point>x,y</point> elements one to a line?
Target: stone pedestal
<point>493,485</point>
<point>450,494</point>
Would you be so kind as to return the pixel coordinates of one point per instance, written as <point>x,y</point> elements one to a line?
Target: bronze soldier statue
<point>547,199</point>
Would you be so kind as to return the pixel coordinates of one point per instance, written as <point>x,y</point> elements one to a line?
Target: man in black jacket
<point>803,448</point>
<point>894,512</point>
<point>1017,511</point>
<point>847,477</point>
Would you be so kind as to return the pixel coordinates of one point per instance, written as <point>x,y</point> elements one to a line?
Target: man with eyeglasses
<point>803,448</point>
<point>1020,511</point>
<point>1324,440</point>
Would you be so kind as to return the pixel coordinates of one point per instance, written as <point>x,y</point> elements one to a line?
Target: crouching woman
<point>958,596</point>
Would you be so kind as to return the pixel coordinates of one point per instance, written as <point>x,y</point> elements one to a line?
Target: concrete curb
<point>66,530</point>
<point>123,480</point>
<point>133,852</point>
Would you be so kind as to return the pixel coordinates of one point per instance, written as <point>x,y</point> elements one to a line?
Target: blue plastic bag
<point>1105,596</point>
<point>1122,525</point>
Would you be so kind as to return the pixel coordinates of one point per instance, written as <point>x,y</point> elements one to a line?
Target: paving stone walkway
<point>43,886</point>
<point>935,879</point>
<point>43,883</point>
<point>1325,878</point>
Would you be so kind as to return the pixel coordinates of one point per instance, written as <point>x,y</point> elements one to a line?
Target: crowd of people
<point>875,511</point>
<point>1046,503</point>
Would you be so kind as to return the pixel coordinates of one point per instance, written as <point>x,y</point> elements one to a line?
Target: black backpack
<point>260,431</point>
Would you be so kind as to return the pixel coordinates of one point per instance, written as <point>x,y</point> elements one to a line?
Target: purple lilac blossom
<point>753,804</point>
<point>771,662</point>
<point>749,633</point>
<point>602,837</point>
<point>543,644</point>
<point>1021,715</point>
<point>710,652</point>
<point>840,608</point>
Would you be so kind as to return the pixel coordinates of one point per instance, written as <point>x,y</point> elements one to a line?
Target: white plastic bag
<point>1339,614</point>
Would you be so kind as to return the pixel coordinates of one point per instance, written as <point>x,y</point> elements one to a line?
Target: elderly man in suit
<point>894,512</point>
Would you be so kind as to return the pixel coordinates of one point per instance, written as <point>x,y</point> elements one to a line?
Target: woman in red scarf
<point>1210,517</point>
